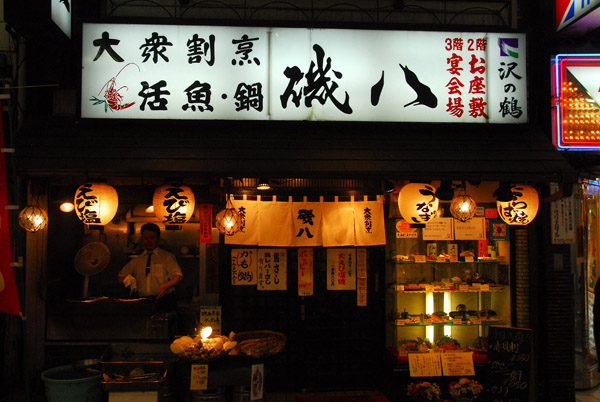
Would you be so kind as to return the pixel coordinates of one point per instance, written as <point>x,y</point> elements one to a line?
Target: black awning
<point>291,149</point>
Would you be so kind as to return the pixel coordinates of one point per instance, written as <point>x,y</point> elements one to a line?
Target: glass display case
<point>444,292</point>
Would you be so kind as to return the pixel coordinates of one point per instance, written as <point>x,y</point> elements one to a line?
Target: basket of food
<point>202,350</point>
<point>258,344</point>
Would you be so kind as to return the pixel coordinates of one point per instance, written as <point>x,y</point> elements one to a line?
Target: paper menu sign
<point>211,316</point>
<point>458,363</point>
<point>341,269</point>
<point>425,364</point>
<point>199,377</point>
<point>439,229</point>
<point>272,269</point>
<point>404,231</point>
<point>474,229</point>
<point>243,266</point>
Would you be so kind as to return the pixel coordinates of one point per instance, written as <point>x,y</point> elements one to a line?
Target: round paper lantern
<point>96,203</point>
<point>523,207</point>
<point>417,202</point>
<point>33,218</point>
<point>173,203</point>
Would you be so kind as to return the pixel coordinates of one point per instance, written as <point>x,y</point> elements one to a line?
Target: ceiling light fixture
<point>263,184</point>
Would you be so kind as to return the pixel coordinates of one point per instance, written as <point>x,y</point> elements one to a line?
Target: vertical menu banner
<point>305,272</point>
<point>361,277</point>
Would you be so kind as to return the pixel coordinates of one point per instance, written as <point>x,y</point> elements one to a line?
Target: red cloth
<point>9,296</point>
<point>342,398</point>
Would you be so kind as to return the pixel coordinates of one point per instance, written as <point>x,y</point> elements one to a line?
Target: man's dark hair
<point>151,227</point>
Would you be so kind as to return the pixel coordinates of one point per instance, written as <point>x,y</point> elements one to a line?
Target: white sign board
<point>257,73</point>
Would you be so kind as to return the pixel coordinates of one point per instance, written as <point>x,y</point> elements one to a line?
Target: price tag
<point>400,323</point>
<point>399,288</point>
<point>457,321</point>
<point>420,258</point>
<point>441,258</point>
<point>199,377</point>
<point>476,321</point>
<point>463,287</point>
<point>429,288</point>
<point>427,321</point>
<point>469,258</point>
<point>453,258</point>
<point>484,287</point>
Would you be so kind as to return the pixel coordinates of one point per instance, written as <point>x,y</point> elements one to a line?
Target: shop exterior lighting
<point>263,184</point>
<point>523,206</point>
<point>96,203</point>
<point>173,203</point>
<point>33,218</point>
<point>463,207</point>
<point>228,220</point>
<point>417,203</point>
<point>67,207</point>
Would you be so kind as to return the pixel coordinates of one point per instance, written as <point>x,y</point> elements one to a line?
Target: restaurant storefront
<point>140,128</point>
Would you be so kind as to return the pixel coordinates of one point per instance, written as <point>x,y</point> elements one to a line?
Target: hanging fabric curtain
<point>248,234</point>
<point>369,225</point>
<point>338,224</point>
<point>307,218</point>
<point>275,223</point>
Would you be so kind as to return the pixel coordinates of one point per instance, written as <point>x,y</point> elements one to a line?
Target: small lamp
<point>463,207</point>
<point>173,203</point>
<point>96,203</point>
<point>263,184</point>
<point>417,202</point>
<point>228,220</point>
<point>66,207</point>
<point>33,218</point>
<point>523,206</point>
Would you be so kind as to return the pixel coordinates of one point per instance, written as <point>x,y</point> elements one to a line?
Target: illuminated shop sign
<point>579,16</point>
<point>252,73</point>
<point>60,11</point>
<point>575,90</point>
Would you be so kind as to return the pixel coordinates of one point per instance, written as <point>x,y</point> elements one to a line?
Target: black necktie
<point>148,263</point>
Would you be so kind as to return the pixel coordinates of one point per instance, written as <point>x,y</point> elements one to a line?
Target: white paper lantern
<point>523,207</point>
<point>96,203</point>
<point>417,202</point>
<point>173,203</point>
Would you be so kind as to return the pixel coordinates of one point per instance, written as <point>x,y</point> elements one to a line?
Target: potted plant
<point>424,391</point>
<point>465,389</point>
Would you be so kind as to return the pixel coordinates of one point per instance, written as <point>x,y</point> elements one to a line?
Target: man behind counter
<point>155,272</point>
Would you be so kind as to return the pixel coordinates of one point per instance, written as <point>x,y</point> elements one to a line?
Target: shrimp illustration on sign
<point>113,100</point>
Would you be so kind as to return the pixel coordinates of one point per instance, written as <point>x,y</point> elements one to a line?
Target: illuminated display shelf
<point>495,289</point>
<point>447,262</point>
<point>449,324</point>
